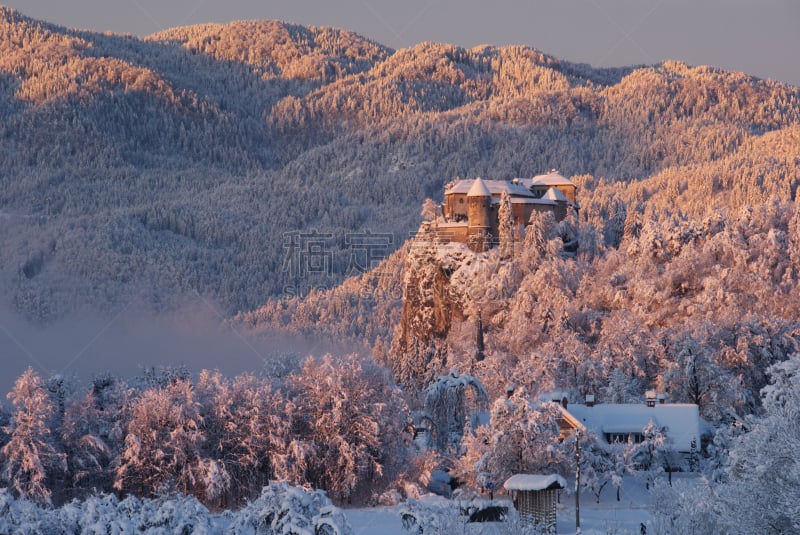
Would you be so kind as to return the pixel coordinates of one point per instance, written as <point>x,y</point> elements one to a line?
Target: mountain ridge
<point>180,162</point>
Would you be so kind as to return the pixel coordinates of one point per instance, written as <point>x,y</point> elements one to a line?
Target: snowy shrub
<point>280,510</point>
<point>285,510</point>
<point>431,518</point>
<point>23,517</point>
<point>688,508</point>
<point>390,497</point>
<point>412,490</point>
<point>177,514</point>
<point>98,515</point>
<point>104,515</point>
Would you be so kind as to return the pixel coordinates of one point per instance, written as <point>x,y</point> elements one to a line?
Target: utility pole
<point>577,482</point>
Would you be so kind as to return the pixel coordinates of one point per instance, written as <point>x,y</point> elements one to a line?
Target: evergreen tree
<point>763,462</point>
<point>505,226</point>
<point>30,461</point>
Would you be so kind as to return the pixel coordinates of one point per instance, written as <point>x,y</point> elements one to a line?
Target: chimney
<point>651,398</point>
<point>590,400</point>
<point>509,391</point>
<point>662,398</point>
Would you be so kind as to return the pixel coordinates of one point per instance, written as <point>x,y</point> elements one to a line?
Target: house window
<point>624,438</point>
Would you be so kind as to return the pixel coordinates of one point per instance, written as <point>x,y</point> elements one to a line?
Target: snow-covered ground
<point>609,517</point>
<point>282,509</point>
<point>382,520</point>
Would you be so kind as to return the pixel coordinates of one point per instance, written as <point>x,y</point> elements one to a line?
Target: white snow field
<point>285,510</point>
<point>609,517</point>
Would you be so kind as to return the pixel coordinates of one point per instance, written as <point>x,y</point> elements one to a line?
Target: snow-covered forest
<point>697,308</point>
<point>146,169</point>
<point>338,424</point>
<point>223,160</point>
<point>704,312</point>
<point>165,451</point>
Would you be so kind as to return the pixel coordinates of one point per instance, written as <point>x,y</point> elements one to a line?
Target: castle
<point>471,206</point>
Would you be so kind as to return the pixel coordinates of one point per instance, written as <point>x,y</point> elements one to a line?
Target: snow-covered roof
<point>495,187</point>
<point>681,420</point>
<point>531,200</point>
<point>554,395</point>
<point>555,195</point>
<point>553,178</point>
<point>478,189</point>
<point>535,482</point>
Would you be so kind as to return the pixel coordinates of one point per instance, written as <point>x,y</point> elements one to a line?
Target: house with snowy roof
<point>625,422</point>
<point>471,209</point>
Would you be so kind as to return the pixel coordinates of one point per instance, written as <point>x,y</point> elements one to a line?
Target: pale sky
<point>760,37</point>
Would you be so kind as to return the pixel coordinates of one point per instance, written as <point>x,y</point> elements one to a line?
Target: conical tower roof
<point>554,194</point>
<point>479,189</point>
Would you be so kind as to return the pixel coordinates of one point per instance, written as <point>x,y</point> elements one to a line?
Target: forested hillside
<point>188,161</point>
<point>279,171</point>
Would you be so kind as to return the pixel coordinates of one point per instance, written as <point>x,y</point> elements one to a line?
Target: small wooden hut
<point>535,497</point>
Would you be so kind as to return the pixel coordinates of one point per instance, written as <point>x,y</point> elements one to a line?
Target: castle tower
<point>479,207</point>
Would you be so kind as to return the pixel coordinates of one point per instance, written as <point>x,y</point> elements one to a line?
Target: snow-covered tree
<point>93,434</point>
<point>762,494</point>
<point>5,420</point>
<point>429,210</point>
<point>246,434</point>
<point>688,507</point>
<point>162,450</point>
<point>538,234</point>
<point>621,464</point>
<point>525,438</point>
<point>451,402</point>
<point>597,464</point>
<point>350,423</point>
<point>650,454</point>
<point>695,377</point>
<point>30,462</point>
<point>621,388</point>
<point>505,227</point>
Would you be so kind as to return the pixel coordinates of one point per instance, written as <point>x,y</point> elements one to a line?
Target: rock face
<point>430,306</point>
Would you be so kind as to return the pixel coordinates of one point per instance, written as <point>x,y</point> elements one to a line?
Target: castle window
<point>460,201</point>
